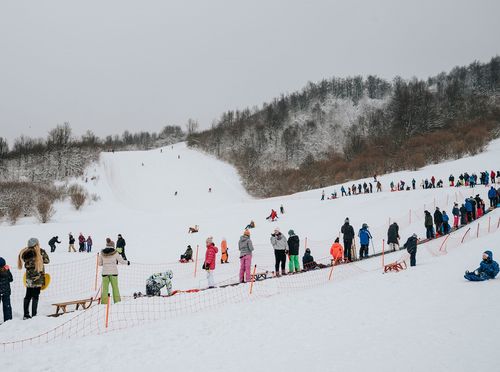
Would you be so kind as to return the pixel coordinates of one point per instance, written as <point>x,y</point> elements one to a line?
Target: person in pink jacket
<point>209,264</point>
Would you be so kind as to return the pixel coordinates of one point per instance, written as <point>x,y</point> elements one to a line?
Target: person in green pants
<point>109,260</point>
<point>293,251</point>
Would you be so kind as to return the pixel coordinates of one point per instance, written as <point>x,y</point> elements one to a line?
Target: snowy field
<point>423,319</point>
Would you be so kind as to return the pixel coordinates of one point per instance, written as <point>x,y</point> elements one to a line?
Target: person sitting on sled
<point>193,229</point>
<point>157,281</point>
<point>188,255</point>
<point>488,269</point>
<point>273,216</point>
<point>251,225</point>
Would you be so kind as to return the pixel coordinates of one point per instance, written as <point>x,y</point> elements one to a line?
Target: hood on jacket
<point>244,238</point>
<point>108,251</point>
<point>489,254</point>
<point>169,274</point>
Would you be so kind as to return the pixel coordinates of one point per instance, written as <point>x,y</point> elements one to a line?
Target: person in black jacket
<point>411,247</point>
<point>463,215</point>
<point>71,243</point>
<point>393,237</point>
<point>438,220</point>
<point>308,261</point>
<point>5,280</point>
<point>348,231</point>
<point>293,252</point>
<point>52,243</point>
<point>428,225</point>
<point>120,246</point>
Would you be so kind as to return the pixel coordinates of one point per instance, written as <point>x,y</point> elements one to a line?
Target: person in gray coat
<point>246,247</point>
<point>280,245</point>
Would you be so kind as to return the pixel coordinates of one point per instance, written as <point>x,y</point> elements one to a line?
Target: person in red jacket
<point>209,264</point>
<point>81,241</point>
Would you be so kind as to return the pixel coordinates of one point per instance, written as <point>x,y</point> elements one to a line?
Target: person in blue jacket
<point>364,241</point>
<point>445,227</point>
<point>468,208</point>
<point>488,269</point>
<point>492,195</point>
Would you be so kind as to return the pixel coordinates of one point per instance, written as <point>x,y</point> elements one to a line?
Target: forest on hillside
<point>347,128</point>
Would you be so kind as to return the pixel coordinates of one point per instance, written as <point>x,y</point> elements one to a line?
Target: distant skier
<point>52,243</point>
<point>411,247</point>
<point>364,240</point>
<point>323,195</point>
<point>282,209</point>
<point>273,216</point>
<point>348,233</point>
<point>488,269</point>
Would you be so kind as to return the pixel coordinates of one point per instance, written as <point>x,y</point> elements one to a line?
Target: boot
<point>283,272</point>
<point>34,306</point>
<point>26,308</point>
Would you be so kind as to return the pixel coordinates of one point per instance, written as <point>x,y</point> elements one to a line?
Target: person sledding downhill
<point>187,256</point>
<point>273,216</point>
<point>337,252</point>
<point>488,269</point>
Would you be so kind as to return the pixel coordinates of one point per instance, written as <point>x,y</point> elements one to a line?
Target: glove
<point>128,263</point>
<point>467,272</point>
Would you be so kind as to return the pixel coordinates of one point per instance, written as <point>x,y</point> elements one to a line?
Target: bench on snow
<point>395,266</point>
<point>85,304</point>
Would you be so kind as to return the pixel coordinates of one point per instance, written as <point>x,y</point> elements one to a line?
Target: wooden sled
<point>259,276</point>
<point>85,304</point>
<point>396,266</point>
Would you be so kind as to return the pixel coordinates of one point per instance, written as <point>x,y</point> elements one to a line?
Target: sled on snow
<point>62,306</point>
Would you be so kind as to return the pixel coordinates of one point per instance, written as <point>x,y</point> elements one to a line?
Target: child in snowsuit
<point>293,250</point>
<point>209,264</point>
<point>364,240</point>
<point>33,258</point>
<point>188,255</point>
<point>337,252</point>
<point>223,247</point>
<point>109,260</point>
<point>157,281</point>
<point>308,261</point>
<point>488,269</point>
<point>5,280</point>
<point>411,247</point>
<point>245,247</point>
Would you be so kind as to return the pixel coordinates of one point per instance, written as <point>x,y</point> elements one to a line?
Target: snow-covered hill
<point>366,320</point>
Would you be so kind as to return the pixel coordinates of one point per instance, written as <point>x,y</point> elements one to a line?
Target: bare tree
<point>14,211</point>
<point>77,195</point>
<point>192,126</point>
<point>44,210</point>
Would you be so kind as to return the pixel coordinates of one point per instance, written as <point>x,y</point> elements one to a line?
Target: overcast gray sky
<point>139,65</point>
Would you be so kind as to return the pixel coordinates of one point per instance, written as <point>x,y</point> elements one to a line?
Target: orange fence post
<point>477,234</point>
<point>196,261</point>
<point>383,252</point>
<point>331,272</point>
<point>96,270</point>
<point>444,241</point>
<point>107,310</point>
<point>463,237</point>
<point>253,278</point>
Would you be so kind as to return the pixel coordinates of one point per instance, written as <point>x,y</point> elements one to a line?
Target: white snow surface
<point>426,318</point>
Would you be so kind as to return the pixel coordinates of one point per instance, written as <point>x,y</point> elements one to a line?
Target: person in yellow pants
<point>293,251</point>
<point>109,260</point>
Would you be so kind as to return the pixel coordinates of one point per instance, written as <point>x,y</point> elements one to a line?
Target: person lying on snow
<point>193,229</point>
<point>488,269</point>
<point>157,281</point>
<point>188,255</point>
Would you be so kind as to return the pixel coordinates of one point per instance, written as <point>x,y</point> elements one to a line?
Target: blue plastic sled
<point>474,278</point>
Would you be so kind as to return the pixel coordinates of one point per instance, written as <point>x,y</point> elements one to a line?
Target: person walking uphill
<point>364,240</point>
<point>246,247</point>
<point>293,250</point>
<point>280,245</point>
<point>411,247</point>
<point>209,264</point>
<point>5,280</point>
<point>348,232</point>
<point>33,258</point>
<point>109,260</point>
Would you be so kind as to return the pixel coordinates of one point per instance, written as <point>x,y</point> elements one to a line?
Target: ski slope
<point>368,320</point>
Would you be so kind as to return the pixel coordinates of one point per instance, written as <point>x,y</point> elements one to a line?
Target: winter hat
<point>308,250</point>
<point>246,232</point>
<point>32,242</point>
<point>189,246</point>
<point>414,235</point>
<point>346,220</point>
<point>210,239</point>
<point>336,240</point>
<point>291,232</point>
<point>365,226</point>
<point>276,229</point>
<point>2,262</point>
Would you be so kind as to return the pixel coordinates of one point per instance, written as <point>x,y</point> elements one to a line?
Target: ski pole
<point>373,247</point>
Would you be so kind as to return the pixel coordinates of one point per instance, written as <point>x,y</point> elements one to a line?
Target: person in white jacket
<point>280,245</point>
<point>109,260</point>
